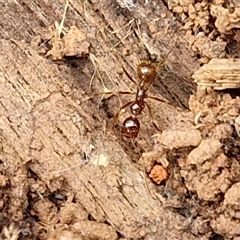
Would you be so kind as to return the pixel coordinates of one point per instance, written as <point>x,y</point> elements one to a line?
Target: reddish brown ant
<point>146,72</point>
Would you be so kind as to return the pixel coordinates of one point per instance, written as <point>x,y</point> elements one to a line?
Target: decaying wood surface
<point>70,145</point>
<point>219,74</point>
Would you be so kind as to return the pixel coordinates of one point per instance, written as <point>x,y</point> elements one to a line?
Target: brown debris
<point>232,196</point>
<point>225,21</point>
<point>237,125</point>
<point>179,138</point>
<point>207,149</point>
<point>148,159</point>
<point>3,180</point>
<point>226,226</point>
<point>93,230</point>
<point>158,174</point>
<point>72,44</point>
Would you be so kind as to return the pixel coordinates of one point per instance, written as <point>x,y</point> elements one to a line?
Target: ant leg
<point>166,57</point>
<point>164,101</point>
<point>95,95</point>
<point>128,75</point>
<point>151,116</point>
<point>159,99</point>
<point>106,93</point>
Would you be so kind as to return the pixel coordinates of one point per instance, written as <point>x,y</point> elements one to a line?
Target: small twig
<point>60,27</point>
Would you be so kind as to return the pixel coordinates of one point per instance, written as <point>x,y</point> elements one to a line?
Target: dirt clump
<point>210,27</point>
<point>209,169</point>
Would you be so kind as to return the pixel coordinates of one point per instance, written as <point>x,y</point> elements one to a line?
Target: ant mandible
<point>146,72</point>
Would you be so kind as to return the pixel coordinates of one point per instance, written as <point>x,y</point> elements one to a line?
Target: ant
<point>146,72</point>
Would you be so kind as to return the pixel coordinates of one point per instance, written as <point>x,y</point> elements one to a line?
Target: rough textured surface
<point>65,173</point>
<point>212,27</point>
<point>211,169</point>
<point>219,74</point>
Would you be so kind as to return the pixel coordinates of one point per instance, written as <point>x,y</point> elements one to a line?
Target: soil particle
<point>207,149</point>
<point>70,211</point>
<point>237,125</point>
<point>73,44</point>
<point>232,196</point>
<point>158,174</point>
<point>226,226</point>
<point>179,138</point>
<point>92,230</point>
<point>45,210</point>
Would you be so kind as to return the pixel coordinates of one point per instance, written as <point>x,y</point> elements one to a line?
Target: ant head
<point>146,71</point>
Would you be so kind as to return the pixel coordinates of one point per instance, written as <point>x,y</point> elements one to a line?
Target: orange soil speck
<point>158,174</point>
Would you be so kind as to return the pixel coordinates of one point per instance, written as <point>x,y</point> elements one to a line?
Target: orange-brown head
<point>146,72</point>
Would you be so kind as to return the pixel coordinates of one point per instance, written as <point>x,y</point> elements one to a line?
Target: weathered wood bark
<point>45,128</point>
